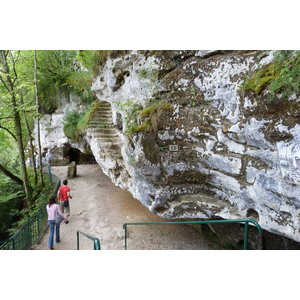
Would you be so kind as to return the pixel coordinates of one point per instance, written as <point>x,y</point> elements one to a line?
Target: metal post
<point>97,244</point>
<point>38,224</point>
<point>50,174</point>
<point>77,240</point>
<point>246,228</point>
<point>125,227</point>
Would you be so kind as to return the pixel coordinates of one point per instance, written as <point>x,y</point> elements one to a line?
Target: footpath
<point>99,209</point>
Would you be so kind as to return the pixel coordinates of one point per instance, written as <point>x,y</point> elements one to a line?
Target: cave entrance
<point>79,157</point>
<point>74,155</point>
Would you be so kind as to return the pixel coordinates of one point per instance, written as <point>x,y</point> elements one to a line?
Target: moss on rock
<point>261,79</point>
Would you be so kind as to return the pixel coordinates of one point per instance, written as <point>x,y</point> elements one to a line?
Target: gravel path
<point>99,208</point>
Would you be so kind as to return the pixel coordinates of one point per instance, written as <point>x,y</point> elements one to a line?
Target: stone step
<point>105,135</point>
<point>103,103</point>
<point>94,128</point>
<point>111,140</point>
<point>100,124</point>
<point>100,120</point>
<point>99,110</point>
<point>104,130</point>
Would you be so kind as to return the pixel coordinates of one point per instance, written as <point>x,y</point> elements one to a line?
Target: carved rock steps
<point>101,128</point>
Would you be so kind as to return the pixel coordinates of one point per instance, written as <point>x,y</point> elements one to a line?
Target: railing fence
<point>33,229</point>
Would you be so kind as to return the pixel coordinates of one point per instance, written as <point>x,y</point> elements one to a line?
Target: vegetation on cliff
<point>282,76</point>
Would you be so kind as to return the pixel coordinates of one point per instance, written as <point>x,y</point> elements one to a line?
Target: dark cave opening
<point>79,157</point>
<point>74,155</point>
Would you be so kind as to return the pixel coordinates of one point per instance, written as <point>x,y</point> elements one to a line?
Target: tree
<point>13,177</point>
<point>38,120</point>
<point>8,77</point>
<point>29,132</point>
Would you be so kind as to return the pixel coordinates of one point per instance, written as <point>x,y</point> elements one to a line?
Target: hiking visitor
<point>49,158</point>
<point>63,196</point>
<point>37,161</point>
<point>53,221</point>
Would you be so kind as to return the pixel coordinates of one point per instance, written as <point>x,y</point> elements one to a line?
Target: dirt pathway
<point>99,208</point>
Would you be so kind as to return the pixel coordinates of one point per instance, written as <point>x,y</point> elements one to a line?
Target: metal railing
<point>32,230</point>
<point>245,221</point>
<point>96,241</point>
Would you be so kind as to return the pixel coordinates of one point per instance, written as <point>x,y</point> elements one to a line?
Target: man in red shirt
<point>63,196</point>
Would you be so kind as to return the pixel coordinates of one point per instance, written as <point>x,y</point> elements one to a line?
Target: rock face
<point>53,137</point>
<point>176,129</point>
<point>215,153</point>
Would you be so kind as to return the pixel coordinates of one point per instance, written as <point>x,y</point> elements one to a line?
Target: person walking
<point>49,158</point>
<point>63,196</point>
<point>54,224</point>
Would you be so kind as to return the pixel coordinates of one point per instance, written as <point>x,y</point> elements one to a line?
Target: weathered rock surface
<point>227,164</point>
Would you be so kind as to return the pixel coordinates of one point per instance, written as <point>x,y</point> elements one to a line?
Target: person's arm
<point>69,195</point>
<point>61,214</point>
<point>58,195</point>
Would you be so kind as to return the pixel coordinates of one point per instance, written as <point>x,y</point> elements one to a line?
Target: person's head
<point>51,200</point>
<point>65,182</point>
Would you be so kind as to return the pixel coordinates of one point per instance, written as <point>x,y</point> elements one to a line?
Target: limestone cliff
<point>176,129</point>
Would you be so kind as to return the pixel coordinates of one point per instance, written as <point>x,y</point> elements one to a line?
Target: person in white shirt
<point>49,158</point>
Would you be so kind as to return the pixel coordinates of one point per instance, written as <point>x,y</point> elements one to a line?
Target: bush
<point>70,122</point>
<point>280,77</point>
<point>287,82</point>
<point>75,123</point>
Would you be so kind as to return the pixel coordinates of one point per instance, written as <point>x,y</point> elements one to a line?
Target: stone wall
<point>227,163</point>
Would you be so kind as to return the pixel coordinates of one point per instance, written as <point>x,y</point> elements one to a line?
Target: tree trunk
<point>9,84</point>
<point>13,177</point>
<point>38,121</point>
<point>31,143</point>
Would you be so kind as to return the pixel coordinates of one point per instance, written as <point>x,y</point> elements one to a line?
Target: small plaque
<point>173,147</point>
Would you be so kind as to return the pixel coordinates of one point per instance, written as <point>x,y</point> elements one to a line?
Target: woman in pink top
<point>52,209</point>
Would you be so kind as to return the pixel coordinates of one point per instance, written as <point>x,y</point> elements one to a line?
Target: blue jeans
<point>52,224</point>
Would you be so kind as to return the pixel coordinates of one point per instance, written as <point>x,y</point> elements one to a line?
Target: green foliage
<point>41,194</point>
<point>280,77</point>
<point>92,59</point>
<point>287,82</point>
<point>139,119</point>
<point>81,83</point>
<point>11,197</point>
<point>150,117</point>
<point>149,77</point>
<point>70,125</point>
<point>75,123</point>
<point>131,111</point>
<point>132,161</point>
<point>148,73</point>
<point>59,73</point>
<point>83,121</point>
<point>261,79</point>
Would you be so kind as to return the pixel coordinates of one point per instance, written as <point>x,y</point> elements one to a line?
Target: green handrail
<point>96,241</point>
<point>32,230</point>
<point>246,228</point>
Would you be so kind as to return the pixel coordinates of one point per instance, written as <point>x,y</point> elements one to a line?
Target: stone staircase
<point>102,130</point>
